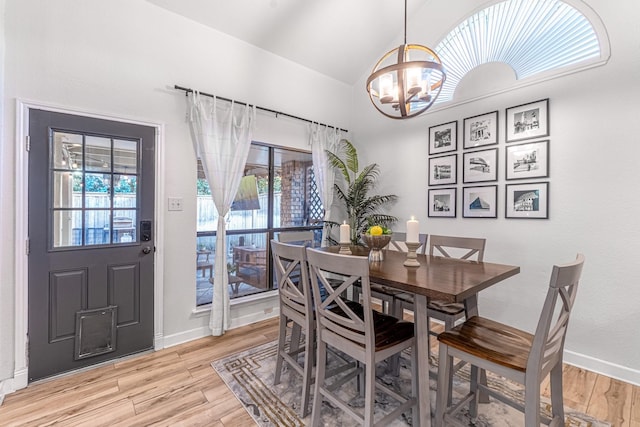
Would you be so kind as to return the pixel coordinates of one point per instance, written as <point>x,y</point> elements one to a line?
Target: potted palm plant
<point>362,209</point>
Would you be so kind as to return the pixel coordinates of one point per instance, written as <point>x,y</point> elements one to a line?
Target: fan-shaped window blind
<point>530,36</point>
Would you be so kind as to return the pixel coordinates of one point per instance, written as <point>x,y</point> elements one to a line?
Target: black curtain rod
<point>277,113</point>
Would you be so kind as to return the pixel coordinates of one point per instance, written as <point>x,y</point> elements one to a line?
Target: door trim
<point>21,361</point>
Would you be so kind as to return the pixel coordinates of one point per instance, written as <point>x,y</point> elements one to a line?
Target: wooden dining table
<point>438,278</point>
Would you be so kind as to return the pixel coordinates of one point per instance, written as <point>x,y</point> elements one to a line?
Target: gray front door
<point>91,241</point>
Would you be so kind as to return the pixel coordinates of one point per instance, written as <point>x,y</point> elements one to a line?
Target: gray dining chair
<point>449,313</point>
<point>386,294</point>
<point>359,332</point>
<point>304,238</point>
<point>514,354</point>
<point>296,305</point>
<point>465,248</point>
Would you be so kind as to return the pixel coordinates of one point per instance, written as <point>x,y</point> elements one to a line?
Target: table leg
<point>471,309</point>
<point>471,306</point>
<point>422,347</point>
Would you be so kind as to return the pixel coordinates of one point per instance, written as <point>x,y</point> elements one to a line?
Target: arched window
<point>537,39</point>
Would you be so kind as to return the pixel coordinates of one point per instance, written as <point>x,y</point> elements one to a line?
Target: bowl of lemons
<point>376,238</point>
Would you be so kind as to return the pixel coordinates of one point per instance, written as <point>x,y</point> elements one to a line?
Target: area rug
<point>249,375</point>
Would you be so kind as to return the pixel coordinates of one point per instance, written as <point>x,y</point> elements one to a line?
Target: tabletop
<point>446,279</point>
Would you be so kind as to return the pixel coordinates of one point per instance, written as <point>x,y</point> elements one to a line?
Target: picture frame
<point>442,202</point>
<point>480,130</point>
<point>443,138</point>
<point>527,121</point>
<point>529,201</point>
<point>480,201</point>
<point>443,170</point>
<point>480,166</point>
<point>528,160</point>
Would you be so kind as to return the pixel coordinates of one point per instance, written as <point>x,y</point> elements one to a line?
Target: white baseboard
<point>186,336</point>
<point>237,322</point>
<point>598,366</point>
<point>5,389</point>
<point>204,331</point>
<point>8,386</point>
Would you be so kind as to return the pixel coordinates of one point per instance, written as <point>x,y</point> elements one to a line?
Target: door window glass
<point>94,191</point>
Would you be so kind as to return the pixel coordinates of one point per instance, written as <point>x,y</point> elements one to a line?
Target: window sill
<point>204,310</point>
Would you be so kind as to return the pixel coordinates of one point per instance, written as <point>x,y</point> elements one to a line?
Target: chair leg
<point>557,403</point>
<point>449,323</point>
<point>444,371</point>
<point>394,361</point>
<point>362,381</point>
<point>306,377</point>
<point>397,310</point>
<point>369,395</point>
<point>282,335</point>
<point>532,402</point>
<point>316,411</point>
<point>483,396</point>
<point>473,388</point>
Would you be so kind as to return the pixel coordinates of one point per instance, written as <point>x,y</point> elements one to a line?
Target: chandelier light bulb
<point>413,80</point>
<point>386,88</point>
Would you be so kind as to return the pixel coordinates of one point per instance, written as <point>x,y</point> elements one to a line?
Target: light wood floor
<point>178,386</point>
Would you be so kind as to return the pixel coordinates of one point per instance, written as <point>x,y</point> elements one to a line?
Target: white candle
<point>413,226</point>
<point>345,233</point>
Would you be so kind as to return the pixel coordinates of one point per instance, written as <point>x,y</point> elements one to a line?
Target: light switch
<point>175,203</point>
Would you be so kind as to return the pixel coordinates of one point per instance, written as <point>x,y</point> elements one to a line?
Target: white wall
<point>6,206</point>
<point>122,58</point>
<point>594,148</point>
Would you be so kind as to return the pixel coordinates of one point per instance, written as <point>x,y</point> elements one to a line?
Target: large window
<point>277,193</point>
<point>533,37</point>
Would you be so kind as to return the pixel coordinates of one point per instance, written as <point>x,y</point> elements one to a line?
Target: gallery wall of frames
<point>465,160</point>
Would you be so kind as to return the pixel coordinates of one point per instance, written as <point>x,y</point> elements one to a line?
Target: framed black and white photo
<point>443,170</point>
<point>480,130</point>
<point>528,121</point>
<point>442,202</point>
<point>480,202</point>
<point>529,160</point>
<point>530,200</point>
<point>443,138</point>
<point>480,166</point>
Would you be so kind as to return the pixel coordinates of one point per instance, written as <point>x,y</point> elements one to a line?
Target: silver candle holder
<point>345,249</point>
<point>412,256</point>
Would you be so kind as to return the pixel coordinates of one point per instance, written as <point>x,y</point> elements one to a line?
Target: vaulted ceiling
<point>342,39</point>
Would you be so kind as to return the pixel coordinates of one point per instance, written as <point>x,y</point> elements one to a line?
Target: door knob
<point>146,250</point>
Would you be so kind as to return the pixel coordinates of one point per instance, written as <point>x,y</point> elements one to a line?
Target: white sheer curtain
<point>322,138</point>
<point>221,132</point>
